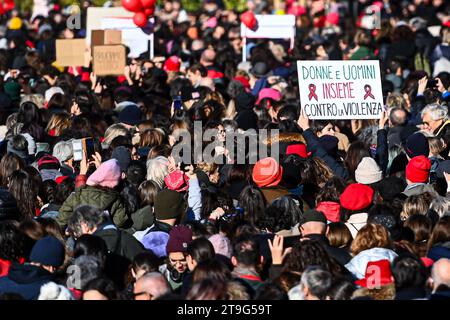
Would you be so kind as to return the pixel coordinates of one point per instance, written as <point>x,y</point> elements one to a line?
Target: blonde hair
<point>114,131</point>
<point>370,236</point>
<point>208,168</point>
<point>59,122</point>
<point>436,145</point>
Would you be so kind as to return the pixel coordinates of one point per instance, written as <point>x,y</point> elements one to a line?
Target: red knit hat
<point>172,64</point>
<point>298,149</point>
<point>418,169</point>
<point>179,239</point>
<point>177,181</point>
<point>356,196</point>
<point>331,210</point>
<point>267,172</point>
<point>378,273</point>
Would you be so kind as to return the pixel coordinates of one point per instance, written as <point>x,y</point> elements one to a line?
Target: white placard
<point>340,89</point>
<point>132,36</point>
<point>271,27</point>
<point>119,19</point>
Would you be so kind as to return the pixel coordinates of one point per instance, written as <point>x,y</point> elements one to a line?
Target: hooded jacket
<point>102,198</point>
<point>25,280</point>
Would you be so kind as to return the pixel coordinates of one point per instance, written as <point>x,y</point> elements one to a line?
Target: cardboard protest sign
<point>102,37</point>
<point>118,18</point>
<point>340,89</point>
<point>109,60</point>
<point>71,52</point>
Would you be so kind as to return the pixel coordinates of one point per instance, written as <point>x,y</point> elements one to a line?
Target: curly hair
<point>370,236</point>
<point>12,241</point>
<point>311,253</point>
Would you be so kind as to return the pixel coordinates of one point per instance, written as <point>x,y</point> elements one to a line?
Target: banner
<point>340,89</point>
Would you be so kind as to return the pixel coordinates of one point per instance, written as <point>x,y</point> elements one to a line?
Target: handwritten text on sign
<point>340,89</point>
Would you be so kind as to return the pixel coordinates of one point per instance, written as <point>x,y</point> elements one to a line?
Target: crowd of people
<point>347,209</point>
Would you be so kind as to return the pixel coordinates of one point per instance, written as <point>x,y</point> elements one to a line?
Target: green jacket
<point>142,219</point>
<point>363,53</point>
<point>104,199</point>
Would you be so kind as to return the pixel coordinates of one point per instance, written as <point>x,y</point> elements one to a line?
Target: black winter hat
<point>417,145</point>
<point>123,156</point>
<point>313,216</point>
<point>245,101</point>
<point>169,204</point>
<point>130,115</point>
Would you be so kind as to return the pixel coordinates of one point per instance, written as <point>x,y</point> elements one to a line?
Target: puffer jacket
<point>8,206</point>
<point>102,198</point>
<point>357,266</point>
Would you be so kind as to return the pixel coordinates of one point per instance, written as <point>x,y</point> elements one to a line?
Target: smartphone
<point>80,146</point>
<point>177,104</point>
<point>432,83</point>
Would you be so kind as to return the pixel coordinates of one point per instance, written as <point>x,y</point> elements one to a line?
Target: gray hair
<point>317,280</point>
<point>441,205</point>
<point>436,111</point>
<point>84,269</point>
<point>157,170</point>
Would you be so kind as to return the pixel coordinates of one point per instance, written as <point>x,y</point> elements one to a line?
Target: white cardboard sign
<point>270,26</point>
<point>118,18</point>
<point>340,89</point>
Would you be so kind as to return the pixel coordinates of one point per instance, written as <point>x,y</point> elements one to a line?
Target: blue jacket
<point>441,250</point>
<point>26,280</point>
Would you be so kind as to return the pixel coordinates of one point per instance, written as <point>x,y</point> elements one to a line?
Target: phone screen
<point>177,103</point>
<point>89,145</point>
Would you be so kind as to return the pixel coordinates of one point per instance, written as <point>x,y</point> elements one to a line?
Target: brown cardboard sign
<point>102,37</point>
<point>109,60</point>
<point>71,52</point>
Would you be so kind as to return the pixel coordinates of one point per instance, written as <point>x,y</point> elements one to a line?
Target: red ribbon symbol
<point>368,90</point>
<point>312,92</point>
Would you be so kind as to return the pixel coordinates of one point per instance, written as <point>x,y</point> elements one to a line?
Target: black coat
<point>25,280</point>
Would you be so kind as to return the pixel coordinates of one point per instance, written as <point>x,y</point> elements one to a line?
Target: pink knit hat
<point>107,175</point>
<point>269,93</point>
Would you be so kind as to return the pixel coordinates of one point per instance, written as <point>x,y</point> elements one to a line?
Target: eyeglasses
<point>426,123</point>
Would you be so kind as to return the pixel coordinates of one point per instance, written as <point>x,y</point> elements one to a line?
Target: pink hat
<point>107,175</point>
<point>177,181</point>
<point>267,173</point>
<point>269,93</point>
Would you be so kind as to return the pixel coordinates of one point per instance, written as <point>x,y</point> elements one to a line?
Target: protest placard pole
<point>152,45</point>
<point>244,49</point>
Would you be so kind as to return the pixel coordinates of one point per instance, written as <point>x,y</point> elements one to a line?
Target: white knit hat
<point>368,171</point>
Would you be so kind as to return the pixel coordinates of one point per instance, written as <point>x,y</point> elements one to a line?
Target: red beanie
<point>267,173</point>
<point>172,64</point>
<point>298,149</point>
<point>179,238</point>
<point>356,196</point>
<point>418,169</point>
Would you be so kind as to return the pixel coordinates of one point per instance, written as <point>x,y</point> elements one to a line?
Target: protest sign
<point>340,89</point>
<point>136,39</point>
<point>109,60</point>
<point>102,37</point>
<point>270,26</point>
<point>71,53</point>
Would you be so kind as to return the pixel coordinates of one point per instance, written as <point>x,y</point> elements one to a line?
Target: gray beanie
<point>368,171</point>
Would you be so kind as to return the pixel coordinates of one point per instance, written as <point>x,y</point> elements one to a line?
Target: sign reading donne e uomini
<point>340,89</point>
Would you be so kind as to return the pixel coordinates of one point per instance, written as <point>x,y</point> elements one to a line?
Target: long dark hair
<point>11,241</point>
<point>24,190</point>
<point>252,201</point>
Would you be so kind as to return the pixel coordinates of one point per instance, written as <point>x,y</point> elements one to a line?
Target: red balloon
<point>248,18</point>
<point>147,4</point>
<point>140,19</point>
<point>149,11</point>
<point>132,5</point>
